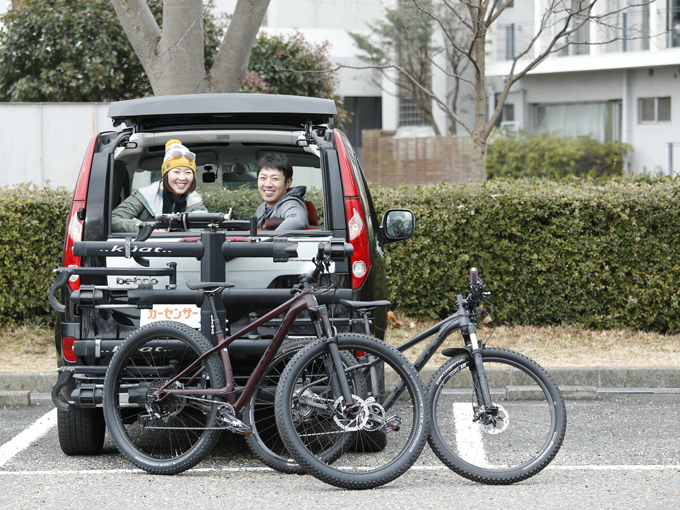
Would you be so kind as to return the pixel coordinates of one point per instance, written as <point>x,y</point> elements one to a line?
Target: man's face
<point>272,185</point>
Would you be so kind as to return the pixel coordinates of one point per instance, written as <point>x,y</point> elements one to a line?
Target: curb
<point>33,382</point>
<point>15,398</point>
<point>603,377</point>
<point>576,383</point>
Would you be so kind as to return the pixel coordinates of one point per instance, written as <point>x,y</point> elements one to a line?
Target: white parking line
<point>25,438</point>
<point>468,435</point>
<point>85,472</point>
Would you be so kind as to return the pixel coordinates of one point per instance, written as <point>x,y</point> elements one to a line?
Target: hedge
<point>32,223</point>
<point>568,252</point>
<point>243,202</point>
<point>553,156</point>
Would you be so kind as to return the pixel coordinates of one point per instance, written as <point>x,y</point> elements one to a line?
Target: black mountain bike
<point>496,416</point>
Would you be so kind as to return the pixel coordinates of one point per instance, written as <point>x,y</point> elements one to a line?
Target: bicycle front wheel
<point>314,419</point>
<point>506,446</point>
<point>171,434</point>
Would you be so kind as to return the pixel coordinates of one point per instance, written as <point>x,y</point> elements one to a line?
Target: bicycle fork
<point>478,374</point>
<point>325,330</point>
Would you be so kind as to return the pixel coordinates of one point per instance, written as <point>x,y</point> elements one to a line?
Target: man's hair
<point>276,161</point>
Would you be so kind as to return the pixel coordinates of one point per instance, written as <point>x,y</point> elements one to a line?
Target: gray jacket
<point>145,204</point>
<point>291,208</point>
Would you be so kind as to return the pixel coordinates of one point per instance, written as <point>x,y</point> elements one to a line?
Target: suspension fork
<point>478,374</point>
<point>339,384</point>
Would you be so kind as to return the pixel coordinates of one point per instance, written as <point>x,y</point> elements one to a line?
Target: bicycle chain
<point>189,397</point>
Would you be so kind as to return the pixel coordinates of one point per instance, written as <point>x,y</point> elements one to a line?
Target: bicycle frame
<point>306,300</point>
<point>458,321</point>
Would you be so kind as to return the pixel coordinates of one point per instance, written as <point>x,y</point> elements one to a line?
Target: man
<point>274,178</point>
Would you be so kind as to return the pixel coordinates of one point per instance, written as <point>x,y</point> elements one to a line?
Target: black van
<point>228,133</point>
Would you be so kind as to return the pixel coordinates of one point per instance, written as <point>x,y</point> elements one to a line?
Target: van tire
<point>81,431</point>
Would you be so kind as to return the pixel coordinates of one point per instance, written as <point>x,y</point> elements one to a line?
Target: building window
<point>366,113</point>
<point>654,109</point>
<point>507,116</point>
<point>573,119</point>
<point>410,114</point>
<point>674,22</point>
<point>510,41</point>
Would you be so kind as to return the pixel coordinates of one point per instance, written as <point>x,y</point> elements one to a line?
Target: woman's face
<point>272,185</point>
<point>179,180</point>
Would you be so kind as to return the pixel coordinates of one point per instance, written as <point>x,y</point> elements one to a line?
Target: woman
<point>172,194</point>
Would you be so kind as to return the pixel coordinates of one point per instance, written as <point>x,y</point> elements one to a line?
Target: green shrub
<point>552,156</point>
<point>32,223</point>
<point>244,202</point>
<point>568,252</point>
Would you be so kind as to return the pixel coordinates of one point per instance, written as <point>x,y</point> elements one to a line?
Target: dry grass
<point>27,349</point>
<point>560,346</point>
<point>31,349</point>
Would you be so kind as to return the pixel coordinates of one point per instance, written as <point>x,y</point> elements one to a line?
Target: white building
<point>627,90</point>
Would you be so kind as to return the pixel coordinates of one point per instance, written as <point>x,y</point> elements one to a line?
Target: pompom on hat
<point>176,155</point>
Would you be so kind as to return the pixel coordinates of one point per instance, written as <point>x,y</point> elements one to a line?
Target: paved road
<point>622,451</point>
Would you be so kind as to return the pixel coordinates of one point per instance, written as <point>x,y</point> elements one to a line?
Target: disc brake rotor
<point>355,418</point>
<point>495,424</point>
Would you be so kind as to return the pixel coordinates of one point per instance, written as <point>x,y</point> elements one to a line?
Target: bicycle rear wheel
<point>169,435</point>
<point>265,441</point>
<point>519,442</point>
<point>313,418</point>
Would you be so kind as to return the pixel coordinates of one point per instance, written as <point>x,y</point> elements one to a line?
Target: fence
<point>391,162</point>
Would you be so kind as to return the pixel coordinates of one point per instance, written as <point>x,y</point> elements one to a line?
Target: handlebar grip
<point>473,276</point>
<point>60,281</point>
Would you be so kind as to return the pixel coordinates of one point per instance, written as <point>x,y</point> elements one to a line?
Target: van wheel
<point>81,431</point>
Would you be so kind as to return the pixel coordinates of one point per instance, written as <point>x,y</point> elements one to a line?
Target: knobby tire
<point>312,421</point>
<point>179,431</point>
<point>527,434</point>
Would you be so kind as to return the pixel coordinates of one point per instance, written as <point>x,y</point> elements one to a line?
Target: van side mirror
<point>397,225</point>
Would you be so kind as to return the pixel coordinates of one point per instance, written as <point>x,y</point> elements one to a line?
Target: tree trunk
<point>480,131</point>
<point>180,67</point>
<point>174,59</point>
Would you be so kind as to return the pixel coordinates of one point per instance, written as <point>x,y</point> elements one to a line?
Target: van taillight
<point>356,218</point>
<point>358,237</point>
<point>74,232</point>
<point>67,348</point>
<point>74,227</point>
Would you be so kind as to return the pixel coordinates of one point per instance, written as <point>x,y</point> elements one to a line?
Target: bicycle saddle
<point>208,286</point>
<point>365,306</point>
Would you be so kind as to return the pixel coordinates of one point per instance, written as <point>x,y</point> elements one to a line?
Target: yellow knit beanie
<point>176,155</point>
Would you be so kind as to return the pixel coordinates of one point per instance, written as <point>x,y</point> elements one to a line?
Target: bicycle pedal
<point>390,425</point>
<point>240,428</point>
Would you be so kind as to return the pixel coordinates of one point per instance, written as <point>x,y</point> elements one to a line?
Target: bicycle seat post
<point>217,327</point>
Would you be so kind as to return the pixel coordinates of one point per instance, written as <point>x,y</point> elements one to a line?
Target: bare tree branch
<point>231,63</point>
<point>142,31</point>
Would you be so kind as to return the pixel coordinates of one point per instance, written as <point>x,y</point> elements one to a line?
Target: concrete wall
<point>43,142</point>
